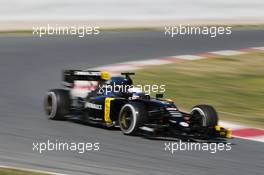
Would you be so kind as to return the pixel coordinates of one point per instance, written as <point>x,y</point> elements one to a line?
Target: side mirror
<point>159,95</point>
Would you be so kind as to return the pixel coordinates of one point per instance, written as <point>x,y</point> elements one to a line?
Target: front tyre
<point>131,117</point>
<point>57,104</point>
<point>204,116</point>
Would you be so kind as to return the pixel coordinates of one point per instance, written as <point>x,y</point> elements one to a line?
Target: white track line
<point>227,52</point>
<point>256,139</point>
<point>188,57</point>
<point>231,125</point>
<point>258,48</point>
<point>116,68</point>
<point>150,62</point>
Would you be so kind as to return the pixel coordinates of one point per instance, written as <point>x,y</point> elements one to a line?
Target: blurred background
<point>22,14</point>
<point>234,84</point>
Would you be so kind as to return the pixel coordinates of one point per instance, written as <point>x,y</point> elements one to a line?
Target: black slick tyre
<point>132,116</point>
<point>205,115</point>
<point>57,104</point>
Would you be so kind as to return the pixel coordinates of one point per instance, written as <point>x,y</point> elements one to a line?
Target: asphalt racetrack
<point>30,65</point>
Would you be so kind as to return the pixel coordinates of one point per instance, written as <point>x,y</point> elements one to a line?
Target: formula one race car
<point>96,98</point>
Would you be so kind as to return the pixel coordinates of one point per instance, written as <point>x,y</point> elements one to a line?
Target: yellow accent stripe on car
<point>218,128</point>
<point>105,75</point>
<point>107,110</point>
<point>228,133</point>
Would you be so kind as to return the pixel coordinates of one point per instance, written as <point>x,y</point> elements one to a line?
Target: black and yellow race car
<point>92,97</point>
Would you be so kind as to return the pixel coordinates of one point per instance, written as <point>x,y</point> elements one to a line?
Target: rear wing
<point>69,76</point>
<point>127,75</point>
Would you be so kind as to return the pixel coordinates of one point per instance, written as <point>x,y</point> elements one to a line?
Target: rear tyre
<point>204,116</point>
<point>57,104</point>
<point>131,117</point>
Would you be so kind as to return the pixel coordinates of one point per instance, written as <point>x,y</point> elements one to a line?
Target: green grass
<point>233,85</point>
<point>11,171</point>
